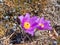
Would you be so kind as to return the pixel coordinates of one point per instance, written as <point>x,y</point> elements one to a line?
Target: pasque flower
<point>28,23</point>
<point>43,24</point>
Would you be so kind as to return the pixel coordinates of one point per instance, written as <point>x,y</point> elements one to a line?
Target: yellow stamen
<point>42,25</point>
<point>26,25</point>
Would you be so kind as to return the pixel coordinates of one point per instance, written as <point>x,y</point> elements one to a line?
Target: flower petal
<point>31,31</point>
<point>27,15</point>
<point>42,19</point>
<point>38,20</point>
<point>21,18</point>
<point>46,24</point>
<point>33,20</point>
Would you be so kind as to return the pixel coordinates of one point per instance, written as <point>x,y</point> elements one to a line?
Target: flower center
<point>26,25</point>
<point>42,25</point>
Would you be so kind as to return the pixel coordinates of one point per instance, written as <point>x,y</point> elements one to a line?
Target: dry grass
<point>42,8</point>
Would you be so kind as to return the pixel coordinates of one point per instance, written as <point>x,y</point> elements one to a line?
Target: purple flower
<point>43,24</point>
<point>28,23</point>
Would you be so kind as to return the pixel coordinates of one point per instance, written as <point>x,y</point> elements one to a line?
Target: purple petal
<point>38,20</point>
<point>42,20</point>
<point>31,31</point>
<point>47,21</point>
<point>21,18</point>
<point>47,26</point>
<point>33,20</point>
<point>40,28</point>
<point>27,15</point>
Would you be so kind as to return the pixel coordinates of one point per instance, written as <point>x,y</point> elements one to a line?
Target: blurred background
<point>10,31</point>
